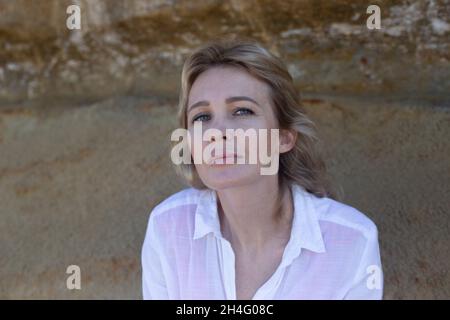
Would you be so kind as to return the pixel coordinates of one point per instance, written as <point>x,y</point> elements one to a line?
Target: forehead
<point>221,82</point>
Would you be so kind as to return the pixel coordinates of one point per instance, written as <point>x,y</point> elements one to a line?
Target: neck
<point>255,214</point>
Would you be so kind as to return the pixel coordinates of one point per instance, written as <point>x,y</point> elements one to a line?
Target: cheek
<point>272,132</point>
<point>267,138</point>
<point>193,143</point>
<point>267,122</point>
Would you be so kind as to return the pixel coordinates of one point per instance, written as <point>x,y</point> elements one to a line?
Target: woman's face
<point>223,98</point>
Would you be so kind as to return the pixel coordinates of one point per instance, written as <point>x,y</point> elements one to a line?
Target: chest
<point>252,271</point>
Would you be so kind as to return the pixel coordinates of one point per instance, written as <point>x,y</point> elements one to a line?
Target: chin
<point>228,176</point>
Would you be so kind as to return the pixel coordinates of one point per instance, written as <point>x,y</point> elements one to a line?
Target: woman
<point>237,233</point>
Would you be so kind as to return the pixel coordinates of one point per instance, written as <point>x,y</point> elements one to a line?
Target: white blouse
<point>332,253</point>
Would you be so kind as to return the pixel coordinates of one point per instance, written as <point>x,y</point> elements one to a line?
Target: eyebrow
<point>227,101</point>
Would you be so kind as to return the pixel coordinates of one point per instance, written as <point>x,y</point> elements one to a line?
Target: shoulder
<point>175,213</point>
<point>178,200</point>
<point>338,217</point>
<point>350,236</point>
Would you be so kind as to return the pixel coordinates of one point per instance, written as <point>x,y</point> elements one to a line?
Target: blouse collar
<point>305,232</point>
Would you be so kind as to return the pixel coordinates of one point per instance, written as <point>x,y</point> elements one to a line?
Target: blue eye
<point>243,111</point>
<point>200,117</point>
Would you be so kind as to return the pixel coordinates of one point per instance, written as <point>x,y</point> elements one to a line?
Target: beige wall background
<point>86,117</point>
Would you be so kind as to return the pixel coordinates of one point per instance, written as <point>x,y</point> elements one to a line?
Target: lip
<point>212,160</point>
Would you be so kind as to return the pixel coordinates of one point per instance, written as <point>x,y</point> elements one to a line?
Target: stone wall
<point>85,120</point>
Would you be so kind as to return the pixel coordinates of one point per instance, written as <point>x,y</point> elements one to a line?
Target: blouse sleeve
<point>368,281</point>
<point>153,282</point>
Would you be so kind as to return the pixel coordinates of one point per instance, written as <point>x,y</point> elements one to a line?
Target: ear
<point>288,138</point>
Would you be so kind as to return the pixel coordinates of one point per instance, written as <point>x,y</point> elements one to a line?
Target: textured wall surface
<point>86,116</point>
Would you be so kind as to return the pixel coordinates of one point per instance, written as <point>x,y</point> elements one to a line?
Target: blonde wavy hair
<point>303,164</point>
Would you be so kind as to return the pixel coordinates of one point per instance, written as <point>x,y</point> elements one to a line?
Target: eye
<point>243,111</point>
<point>200,117</point>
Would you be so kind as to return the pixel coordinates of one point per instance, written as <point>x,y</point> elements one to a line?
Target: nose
<point>224,137</point>
<point>225,125</point>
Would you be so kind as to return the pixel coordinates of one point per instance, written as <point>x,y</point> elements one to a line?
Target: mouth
<point>223,159</point>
